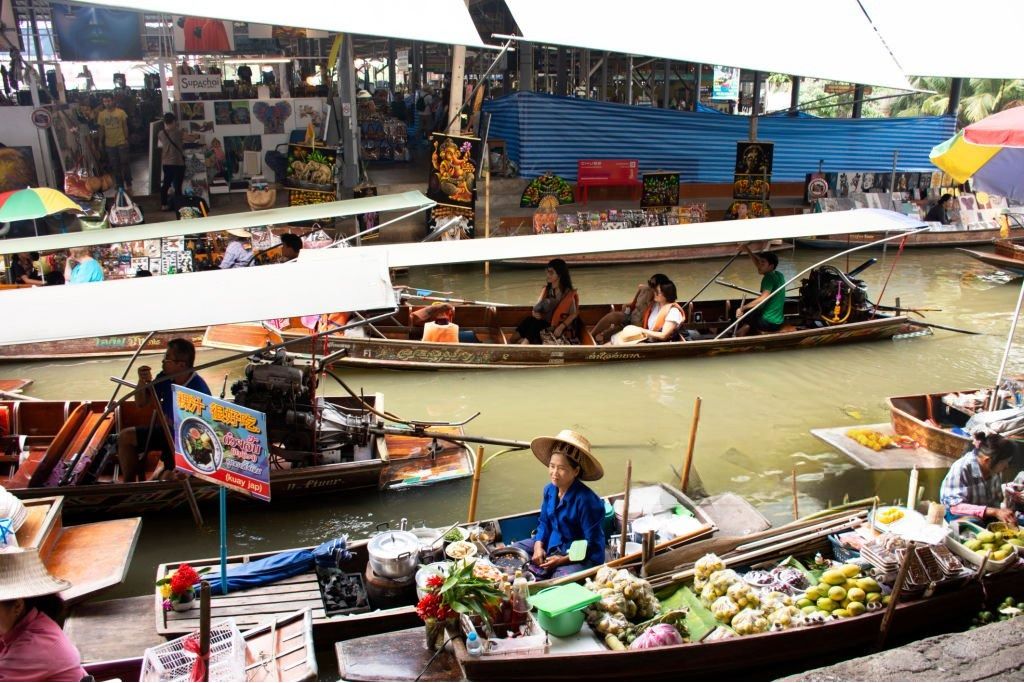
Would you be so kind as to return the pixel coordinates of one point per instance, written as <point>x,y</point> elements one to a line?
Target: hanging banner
<point>197,83</point>
<point>454,164</point>
<point>726,83</point>
<point>221,442</point>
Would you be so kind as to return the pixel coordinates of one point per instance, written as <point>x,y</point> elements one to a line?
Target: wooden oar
<point>624,530</point>
<point>684,478</point>
<point>921,323</point>
<point>475,491</point>
<point>431,295</point>
<point>714,278</point>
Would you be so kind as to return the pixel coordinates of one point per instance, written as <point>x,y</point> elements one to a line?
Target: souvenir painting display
<point>547,185</point>
<point>306,197</point>
<point>235,147</point>
<point>454,164</point>
<point>660,189</point>
<point>17,169</point>
<point>273,116</point>
<point>311,168</point>
<point>96,34</point>
<point>231,112</point>
<point>753,171</point>
<point>191,111</point>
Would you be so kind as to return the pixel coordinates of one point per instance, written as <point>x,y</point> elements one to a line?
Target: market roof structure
<point>600,241</point>
<point>833,40</point>
<point>437,21</point>
<point>412,199</point>
<point>140,305</point>
<point>950,38</point>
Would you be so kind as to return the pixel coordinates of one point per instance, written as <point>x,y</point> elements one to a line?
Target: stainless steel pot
<point>394,554</point>
<point>429,550</point>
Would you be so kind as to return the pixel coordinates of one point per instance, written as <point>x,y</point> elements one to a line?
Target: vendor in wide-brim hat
<point>32,646</point>
<point>569,510</point>
<point>237,255</point>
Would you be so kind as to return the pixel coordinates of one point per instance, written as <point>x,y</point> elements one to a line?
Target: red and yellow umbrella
<point>990,151</point>
<point>34,202</point>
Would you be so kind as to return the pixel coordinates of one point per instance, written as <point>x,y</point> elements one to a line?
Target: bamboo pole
<point>894,597</point>
<point>688,462</point>
<point>204,630</point>
<point>477,466</point>
<point>624,530</point>
<point>487,205</point>
<point>796,503</point>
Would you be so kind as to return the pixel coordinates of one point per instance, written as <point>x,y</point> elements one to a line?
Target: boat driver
<point>178,363</point>
<point>569,510</point>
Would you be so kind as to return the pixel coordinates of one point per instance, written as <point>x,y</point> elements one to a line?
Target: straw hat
<point>630,334</point>
<point>23,575</point>
<point>240,233</point>
<point>590,468</point>
<point>12,508</point>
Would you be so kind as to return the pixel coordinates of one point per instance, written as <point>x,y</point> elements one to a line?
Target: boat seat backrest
<point>491,323</point>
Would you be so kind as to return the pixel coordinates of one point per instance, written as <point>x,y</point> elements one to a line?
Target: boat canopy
<point>835,40</point>
<point>600,241</point>
<point>233,221</point>
<point>439,21</point>
<point>140,305</point>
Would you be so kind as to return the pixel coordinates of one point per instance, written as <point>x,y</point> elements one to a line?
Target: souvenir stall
<point>383,137</point>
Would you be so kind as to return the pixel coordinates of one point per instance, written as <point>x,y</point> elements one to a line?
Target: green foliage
<point>467,594</point>
<point>979,97</point>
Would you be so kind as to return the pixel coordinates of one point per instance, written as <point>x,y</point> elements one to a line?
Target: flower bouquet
<point>460,593</point>
<point>178,588</point>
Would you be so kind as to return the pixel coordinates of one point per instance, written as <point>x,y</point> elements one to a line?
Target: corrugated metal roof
<point>548,133</point>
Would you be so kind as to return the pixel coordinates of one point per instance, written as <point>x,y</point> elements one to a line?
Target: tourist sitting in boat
<point>569,510</point>
<point>663,319</point>
<point>767,318</point>
<point>291,245</point>
<point>438,321</point>
<point>82,267</point>
<point>938,214</point>
<point>24,272</point>
<point>556,313</point>
<point>178,369</point>
<point>32,646</point>
<point>631,313</point>
<point>973,487</point>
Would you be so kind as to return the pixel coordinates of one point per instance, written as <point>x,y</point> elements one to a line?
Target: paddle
<point>921,323</point>
<point>431,295</point>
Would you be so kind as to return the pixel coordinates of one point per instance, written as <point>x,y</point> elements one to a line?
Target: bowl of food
<point>460,550</point>
<point>509,559</point>
<point>483,569</point>
<point>456,534</point>
<point>200,444</point>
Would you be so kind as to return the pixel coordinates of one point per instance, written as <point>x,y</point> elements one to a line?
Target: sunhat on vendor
<point>574,446</point>
<point>240,233</point>
<point>23,575</point>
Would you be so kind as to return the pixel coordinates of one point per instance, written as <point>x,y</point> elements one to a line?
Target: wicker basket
<point>172,662</point>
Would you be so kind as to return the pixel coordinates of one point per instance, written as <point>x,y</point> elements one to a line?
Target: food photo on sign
<point>221,442</point>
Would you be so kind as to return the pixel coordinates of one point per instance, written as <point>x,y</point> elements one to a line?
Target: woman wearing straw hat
<point>32,646</point>
<point>237,255</point>
<point>569,510</point>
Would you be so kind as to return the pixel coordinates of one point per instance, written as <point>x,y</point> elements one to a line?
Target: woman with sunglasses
<point>631,313</point>
<point>569,510</point>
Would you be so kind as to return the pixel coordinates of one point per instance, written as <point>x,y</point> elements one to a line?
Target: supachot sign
<point>196,83</point>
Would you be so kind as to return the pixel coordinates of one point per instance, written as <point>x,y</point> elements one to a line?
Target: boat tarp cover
<point>191,300</point>
<point>283,565</point>
<point>601,241</point>
<point>284,215</point>
<point>999,421</point>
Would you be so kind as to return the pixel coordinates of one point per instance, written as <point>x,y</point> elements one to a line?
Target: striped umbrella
<point>990,151</point>
<point>34,202</point>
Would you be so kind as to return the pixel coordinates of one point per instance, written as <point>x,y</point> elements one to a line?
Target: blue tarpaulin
<point>280,566</point>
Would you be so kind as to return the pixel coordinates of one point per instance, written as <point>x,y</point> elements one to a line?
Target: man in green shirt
<point>768,317</point>
<point>113,125</point>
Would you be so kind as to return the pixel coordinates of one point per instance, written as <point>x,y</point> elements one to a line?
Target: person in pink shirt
<point>32,646</point>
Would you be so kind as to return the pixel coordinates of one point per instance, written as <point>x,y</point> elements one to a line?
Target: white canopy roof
<point>234,221</point>
<point>833,40</point>
<point>718,232</point>
<point>438,21</point>
<point>977,39</point>
<point>139,305</point>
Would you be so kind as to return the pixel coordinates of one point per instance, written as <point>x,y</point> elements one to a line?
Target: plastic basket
<point>172,662</point>
<point>840,552</point>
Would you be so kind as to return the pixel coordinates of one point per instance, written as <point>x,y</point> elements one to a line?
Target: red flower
<point>431,607</point>
<point>435,582</point>
<point>183,579</point>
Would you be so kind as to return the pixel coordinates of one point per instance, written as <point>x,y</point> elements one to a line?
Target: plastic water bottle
<point>473,644</point>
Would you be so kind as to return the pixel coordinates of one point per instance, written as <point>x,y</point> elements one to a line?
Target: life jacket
<point>435,332</point>
<point>564,307</point>
<point>659,321</point>
<point>330,321</point>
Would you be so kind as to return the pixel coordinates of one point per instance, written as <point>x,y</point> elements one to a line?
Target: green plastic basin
<point>560,608</point>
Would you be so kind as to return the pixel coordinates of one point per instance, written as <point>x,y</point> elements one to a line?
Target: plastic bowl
<point>564,625</point>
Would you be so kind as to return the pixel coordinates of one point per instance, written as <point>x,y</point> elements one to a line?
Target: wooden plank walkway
<point>887,458</point>
<point>113,629</point>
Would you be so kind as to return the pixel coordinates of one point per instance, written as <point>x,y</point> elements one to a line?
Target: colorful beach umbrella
<point>990,151</point>
<point>34,202</point>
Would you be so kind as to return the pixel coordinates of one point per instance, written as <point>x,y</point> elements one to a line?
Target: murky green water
<point>757,408</point>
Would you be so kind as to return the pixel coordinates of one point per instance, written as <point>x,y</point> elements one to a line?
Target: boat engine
<point>275,386</point>
<point>831,296</point>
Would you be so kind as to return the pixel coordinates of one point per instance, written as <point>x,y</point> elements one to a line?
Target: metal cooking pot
<point>509,559</point>
<point>429,551</point>
<point>394,554</point>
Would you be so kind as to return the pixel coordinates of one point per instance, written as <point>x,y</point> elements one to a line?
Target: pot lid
<point>391,544</point>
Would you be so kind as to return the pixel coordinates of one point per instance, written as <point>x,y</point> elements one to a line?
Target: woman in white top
<point>664,318</point>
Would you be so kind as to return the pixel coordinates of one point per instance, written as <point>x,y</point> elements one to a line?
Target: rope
<point>198,672</point>
<point>894,262</point>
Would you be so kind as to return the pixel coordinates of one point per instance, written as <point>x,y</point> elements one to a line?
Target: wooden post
<point>186,485</point>
<point>204,628</point>
<point>796,504</point>
<point>477,466</point>
<point>684,479</point>
<point>894,597</point>
<point>646,550</point>
<point>625,510</point>
<point>487,203</point>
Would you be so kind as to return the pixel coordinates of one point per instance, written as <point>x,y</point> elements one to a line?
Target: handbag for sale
<point>261,199</point>
<point>76,183</point>
<point>125,211</point>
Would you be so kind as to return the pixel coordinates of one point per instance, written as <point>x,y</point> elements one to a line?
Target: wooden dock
<point>887,458</point>
<point>113,629</point>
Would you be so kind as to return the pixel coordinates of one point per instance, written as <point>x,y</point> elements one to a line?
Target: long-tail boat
<point>1008,256</point>
<point>932,238</point>
<point>395,607</point>
<point>49,433</point>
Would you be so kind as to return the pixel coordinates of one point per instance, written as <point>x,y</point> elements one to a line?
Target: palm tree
<point>979,98</point>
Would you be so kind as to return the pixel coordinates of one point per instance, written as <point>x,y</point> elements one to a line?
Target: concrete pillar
<point>858,100</point>
<point>696,87</point>
<point>755,107</point>
<point>794,95</point>
<point>561,72</point>
<point>955,89</point>
<point>585,72</point>
<point>603,94</point>
<point>457,86</point>
<point>414,65</point>
<point>629,80</point>
<point>668,79</point>
<point>391,65</point>
<point>347,78</point>
<point>527,74</point>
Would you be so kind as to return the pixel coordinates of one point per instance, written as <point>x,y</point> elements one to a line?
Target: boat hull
<point>708,252</point>
<point>909,417</point>
<point>96,347</point>
<point>1007,263</point>
<point>937,238</point>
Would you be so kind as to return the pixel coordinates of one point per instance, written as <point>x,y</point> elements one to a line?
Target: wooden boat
<point>1008,256</point>
<point>55,431</point>
<point>253,606</point>
<point>92,557</point>
<point>931,238</point>
<point>96,347</point>
<point>11,386</point>
<point>493,327</point>
<point>279,651</point>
